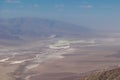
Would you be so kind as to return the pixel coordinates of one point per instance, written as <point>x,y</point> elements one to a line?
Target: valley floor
<point>59,59</point>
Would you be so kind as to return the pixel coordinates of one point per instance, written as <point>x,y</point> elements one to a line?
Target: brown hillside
<point>113,74</point>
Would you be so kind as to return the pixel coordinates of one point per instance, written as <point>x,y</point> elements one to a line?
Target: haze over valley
<point>29,51</point>
<point>59,40</point>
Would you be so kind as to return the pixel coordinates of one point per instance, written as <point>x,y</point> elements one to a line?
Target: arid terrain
<point>59,58</point>
<point>59,39</point>
<point>113,74</point>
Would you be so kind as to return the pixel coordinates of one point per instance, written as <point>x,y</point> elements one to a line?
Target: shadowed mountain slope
<point>20,28</point>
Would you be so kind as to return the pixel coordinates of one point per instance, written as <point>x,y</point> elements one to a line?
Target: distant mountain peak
<point>37,27</point>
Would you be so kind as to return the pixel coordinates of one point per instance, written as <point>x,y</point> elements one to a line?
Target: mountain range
<point>22,28</point>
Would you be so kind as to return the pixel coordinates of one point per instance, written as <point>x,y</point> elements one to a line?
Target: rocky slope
<point>113,74</point>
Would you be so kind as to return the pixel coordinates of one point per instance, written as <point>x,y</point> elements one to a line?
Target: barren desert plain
<point>59,58</point>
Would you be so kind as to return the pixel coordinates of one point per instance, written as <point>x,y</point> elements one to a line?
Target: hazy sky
<point>91,13</point>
